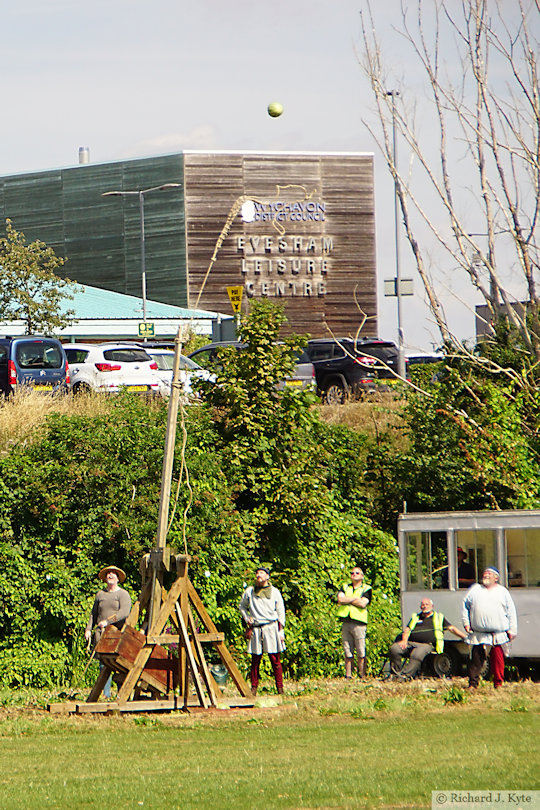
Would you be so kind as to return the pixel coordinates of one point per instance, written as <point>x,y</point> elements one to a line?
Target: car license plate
<point>293,382</point>
<point>137,387</point>
<point>43,386</point>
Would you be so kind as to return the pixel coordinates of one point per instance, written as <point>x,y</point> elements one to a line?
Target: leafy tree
<point>30,289</point>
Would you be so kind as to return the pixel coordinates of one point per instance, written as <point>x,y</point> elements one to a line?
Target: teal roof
<point>94,303</point>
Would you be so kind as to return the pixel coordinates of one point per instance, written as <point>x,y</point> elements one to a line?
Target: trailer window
<point>523,557</point>
<point>480,546</point>
<point>426,560</point>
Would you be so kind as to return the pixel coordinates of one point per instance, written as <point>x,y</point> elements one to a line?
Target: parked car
<point>424,359</point>
<point>303,377</point>
<point>34,361</point>
<point>111,367</point>
<point>188,370</point>
<point>352,368</point>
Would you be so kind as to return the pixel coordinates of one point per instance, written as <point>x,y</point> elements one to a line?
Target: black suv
<point>34,361</point>
<point>351,368</point>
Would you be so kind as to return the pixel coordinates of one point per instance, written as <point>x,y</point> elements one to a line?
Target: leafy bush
<point>268,483</point>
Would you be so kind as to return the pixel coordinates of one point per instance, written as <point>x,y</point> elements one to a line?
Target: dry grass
<point>22,414</point>
<point>371,416</point>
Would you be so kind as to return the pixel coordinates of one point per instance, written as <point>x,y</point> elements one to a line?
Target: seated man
<point>465,572</point>
<point>424,632</point>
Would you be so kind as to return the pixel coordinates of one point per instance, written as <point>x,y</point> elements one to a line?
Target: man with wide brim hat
<point>111,606</point>
<point>118,571</point>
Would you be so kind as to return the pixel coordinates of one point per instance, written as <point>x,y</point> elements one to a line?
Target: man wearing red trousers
<point>489,616</point>
<point>263,611</point>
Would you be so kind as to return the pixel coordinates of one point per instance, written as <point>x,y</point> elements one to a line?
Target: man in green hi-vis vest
<point>423,634</point>
<point>353,600</point>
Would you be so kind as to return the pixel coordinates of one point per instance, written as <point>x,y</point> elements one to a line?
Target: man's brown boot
<point>253,690</point>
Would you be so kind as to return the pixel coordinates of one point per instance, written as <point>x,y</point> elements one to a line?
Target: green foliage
<point>454,694</point>
<point>471,443</point>
<point>268,482</point>
<point>30,289</point>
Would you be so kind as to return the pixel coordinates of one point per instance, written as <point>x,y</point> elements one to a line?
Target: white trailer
<point>509,540</point>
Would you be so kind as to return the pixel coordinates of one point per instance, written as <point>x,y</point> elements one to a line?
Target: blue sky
<point>128,78</point>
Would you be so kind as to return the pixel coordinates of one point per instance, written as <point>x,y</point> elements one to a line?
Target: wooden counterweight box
<point>118,650</point>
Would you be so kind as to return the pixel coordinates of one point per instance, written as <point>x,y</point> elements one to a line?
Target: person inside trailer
<point>465,571</point>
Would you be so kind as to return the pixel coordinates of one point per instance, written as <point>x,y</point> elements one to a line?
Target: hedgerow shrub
<point>268,483</point>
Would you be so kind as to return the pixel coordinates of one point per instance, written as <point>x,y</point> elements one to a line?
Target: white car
<point>111,367</point>
<point>189,369</point>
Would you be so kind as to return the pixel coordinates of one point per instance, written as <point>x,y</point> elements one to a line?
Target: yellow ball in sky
<point>275,109</point>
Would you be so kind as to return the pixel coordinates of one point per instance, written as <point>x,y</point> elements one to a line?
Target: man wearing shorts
<point>353,600</point>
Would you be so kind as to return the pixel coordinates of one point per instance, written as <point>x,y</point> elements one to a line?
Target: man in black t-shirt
<point>423,634</point>
<point>465,572</point>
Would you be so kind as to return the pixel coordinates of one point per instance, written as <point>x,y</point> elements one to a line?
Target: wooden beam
<point>208,678</point>
<point>171,638</point>
<point>97,689</point>
<point>139,605</point>
<point>220,646</point>
<point>142,657</point>
<point>191,661</point>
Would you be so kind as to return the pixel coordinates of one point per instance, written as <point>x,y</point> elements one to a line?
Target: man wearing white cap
<point>489,616</point>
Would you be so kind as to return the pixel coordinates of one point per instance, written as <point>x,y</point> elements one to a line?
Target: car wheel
<point>81,388</point>
<point>335,394</point>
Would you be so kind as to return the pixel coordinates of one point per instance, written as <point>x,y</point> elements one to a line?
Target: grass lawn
<point>327,745</point>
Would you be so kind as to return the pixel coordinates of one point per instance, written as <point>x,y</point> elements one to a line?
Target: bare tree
<point>472,183</point>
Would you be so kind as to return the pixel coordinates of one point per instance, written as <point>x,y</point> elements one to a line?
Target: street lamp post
<point>401,350</point>
<point>140,193</point>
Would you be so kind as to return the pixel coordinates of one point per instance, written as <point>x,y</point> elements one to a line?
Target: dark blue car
<point>33,361</point>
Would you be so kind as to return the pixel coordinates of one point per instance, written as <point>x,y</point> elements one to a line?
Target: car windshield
<point>127,355</point>
<point>165,362</point>
<point>38,354</point>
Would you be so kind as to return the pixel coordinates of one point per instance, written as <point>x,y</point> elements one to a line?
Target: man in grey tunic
<point>263,611</point>
<point>111,606</point>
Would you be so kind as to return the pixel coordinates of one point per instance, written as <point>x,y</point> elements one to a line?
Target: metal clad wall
<point>100,236</point>
<point>34,204</point>
<point>317,257</point>
<point>93,241</point>
<point>164,229</point>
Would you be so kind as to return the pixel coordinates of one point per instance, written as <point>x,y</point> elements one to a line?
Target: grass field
<point>326,745</point>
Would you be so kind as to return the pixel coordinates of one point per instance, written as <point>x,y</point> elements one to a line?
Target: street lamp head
<point>141,192</point>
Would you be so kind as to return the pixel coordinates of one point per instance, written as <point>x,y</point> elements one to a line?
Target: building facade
<point>296,228</point>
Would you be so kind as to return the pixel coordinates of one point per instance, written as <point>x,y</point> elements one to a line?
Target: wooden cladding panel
<point>318,259</point>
